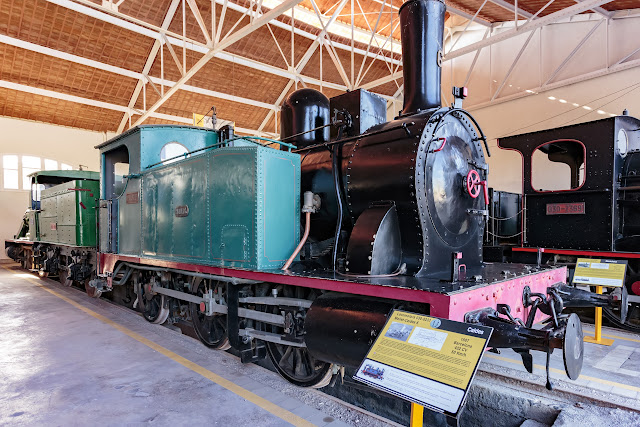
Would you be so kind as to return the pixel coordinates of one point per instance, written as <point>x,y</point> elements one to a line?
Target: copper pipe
<point>307,227</point>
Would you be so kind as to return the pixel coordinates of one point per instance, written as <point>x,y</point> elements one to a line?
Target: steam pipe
<point>307,228</point>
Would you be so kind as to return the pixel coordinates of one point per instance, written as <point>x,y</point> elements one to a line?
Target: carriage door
<point>115,166</point>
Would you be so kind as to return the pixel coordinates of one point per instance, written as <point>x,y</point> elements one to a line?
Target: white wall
<point>537,112</point>
<point>60,143</point>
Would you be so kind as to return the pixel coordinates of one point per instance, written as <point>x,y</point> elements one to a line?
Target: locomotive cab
<point>593,188</point>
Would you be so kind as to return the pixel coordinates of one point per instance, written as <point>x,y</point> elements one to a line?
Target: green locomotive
<point>58,233</point>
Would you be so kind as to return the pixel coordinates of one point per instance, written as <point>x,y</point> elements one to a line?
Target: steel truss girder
<point>226,42</point>
<point>561,83</point>
<point>126,73</point>
<point>504,35</point>
<point>159,33</point>
<point>529,26</point>
<point>100,104</point>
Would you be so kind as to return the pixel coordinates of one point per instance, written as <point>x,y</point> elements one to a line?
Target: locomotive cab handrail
<point>440,114</point>
<point>220,144</point>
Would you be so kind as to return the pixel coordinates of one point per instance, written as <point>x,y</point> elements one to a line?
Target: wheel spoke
<point>212,330</point>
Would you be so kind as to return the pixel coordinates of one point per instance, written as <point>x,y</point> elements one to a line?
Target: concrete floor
<point>66,359</point>
<point>60,365</point>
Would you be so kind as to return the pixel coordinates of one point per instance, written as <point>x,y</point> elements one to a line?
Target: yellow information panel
<point>603,272</point>
<point>202,120</point>
<point>426,360</point>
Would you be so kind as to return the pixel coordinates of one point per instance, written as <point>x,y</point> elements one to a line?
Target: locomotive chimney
<point>422,27</point>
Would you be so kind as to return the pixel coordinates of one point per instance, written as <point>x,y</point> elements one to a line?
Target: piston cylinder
<point>340,328</point>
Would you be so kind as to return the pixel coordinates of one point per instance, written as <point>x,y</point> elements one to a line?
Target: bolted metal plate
<point>573,347</point>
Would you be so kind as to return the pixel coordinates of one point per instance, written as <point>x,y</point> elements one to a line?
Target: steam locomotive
<point>204,226</point>
<point>589,210</point>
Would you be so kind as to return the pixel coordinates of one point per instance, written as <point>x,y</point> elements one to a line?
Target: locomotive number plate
<point>182,211</point>
<point>566,208</point>
<point>133,198</point>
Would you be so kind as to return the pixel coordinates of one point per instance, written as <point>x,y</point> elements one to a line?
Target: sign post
<point>426,360</point>
<point>600,273</point>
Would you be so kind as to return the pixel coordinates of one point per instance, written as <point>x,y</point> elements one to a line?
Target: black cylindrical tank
<point>422,27</point>
<point>302,111</point>
<point>341,328</point>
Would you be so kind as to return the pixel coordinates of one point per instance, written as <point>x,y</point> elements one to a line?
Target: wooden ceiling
<point>63,65</point>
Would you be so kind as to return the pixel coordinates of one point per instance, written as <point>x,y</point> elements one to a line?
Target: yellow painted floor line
<point>618,337</point>
<point>229,385</point>
<point>560,371</point>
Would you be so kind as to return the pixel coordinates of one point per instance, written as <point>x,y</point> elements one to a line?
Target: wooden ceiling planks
<point>56,27</point>
<point>185,103</point>
<point>28,106</point>
<point>45,72</point>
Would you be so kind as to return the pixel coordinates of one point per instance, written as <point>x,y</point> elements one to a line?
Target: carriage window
<point>558,166</point>
<point>171,150</point>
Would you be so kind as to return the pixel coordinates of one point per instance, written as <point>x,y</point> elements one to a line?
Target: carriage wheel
<point>152,306</point>
<point>212,330</point>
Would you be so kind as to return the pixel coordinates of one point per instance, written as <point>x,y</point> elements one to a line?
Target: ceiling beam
<point>529,26</point>
<point>465,15</point>
<point>106,105</point>
<point>141,27</point>
<point>126,73</point>
<point>173,7</point>
<point>562,83</point>
<point>511,8</point>
<point>599,10</point>
<point>201,48</point>
<point>226,42</point>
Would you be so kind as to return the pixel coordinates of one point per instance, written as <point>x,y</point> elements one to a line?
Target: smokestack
<point>422,27</point>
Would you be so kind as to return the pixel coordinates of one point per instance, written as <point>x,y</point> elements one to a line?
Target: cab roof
<point>60,176</point>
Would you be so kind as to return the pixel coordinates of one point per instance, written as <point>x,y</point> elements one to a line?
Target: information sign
<point>201,120</point>
<point>602,272</point>
<point>426,360</point>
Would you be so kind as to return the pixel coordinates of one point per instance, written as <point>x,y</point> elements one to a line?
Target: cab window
<point>558,166</point>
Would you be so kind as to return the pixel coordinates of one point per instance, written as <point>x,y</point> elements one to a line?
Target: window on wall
<point>30,164</point>
<point>10,171</point>
<point>50,165</point>
<point>16,170</point>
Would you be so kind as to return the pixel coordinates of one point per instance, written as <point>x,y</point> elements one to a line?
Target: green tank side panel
<point>255,206</point>
<point>189,209</point>
<point>233,206</point>
<point>279,207</point>
<point>68,214</point>
<point>86,203</point>
<point>175,209</point>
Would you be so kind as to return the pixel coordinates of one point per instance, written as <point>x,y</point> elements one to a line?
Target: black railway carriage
<point>591,205</point>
